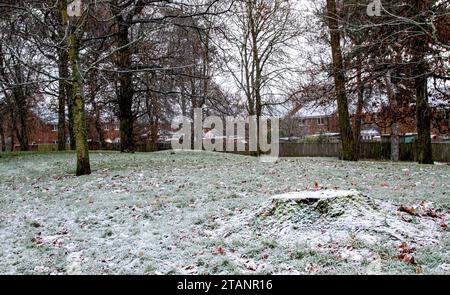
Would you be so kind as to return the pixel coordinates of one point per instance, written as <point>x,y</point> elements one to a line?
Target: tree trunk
<point>153,111</point>
<point>423,117</point>
<point>395,143</point>
<point>348,143</point>
<point>98,123</point>
<point>359,110</point>
<point>206,68</point>
<point>62,98</point>
<point>125,91</point>
<point>2,137</point>
<point>22,112</point>
<point>20,100</point>
<point>68,87</point>
<point>93,82</point>
<point>393,93</point>
<point>83,163</point>
<point>101,134</point>
<point>70,127</point>
<point>395,137</point>
<point>154,131</point>
<point>12,127</point>
<point>183,101</point>
<point>194,137</point>
<point>11,135</point>
<point>257,76</point>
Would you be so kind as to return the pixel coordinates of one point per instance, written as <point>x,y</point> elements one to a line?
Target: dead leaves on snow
<point>406,254</point>
<point>409,210</point>
<point>424,209</point>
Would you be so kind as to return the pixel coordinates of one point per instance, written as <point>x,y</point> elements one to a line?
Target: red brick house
<point>309,120</point>
<point>110,130</point>
<point>381,121</point>
<point>44,131</point>
<point>40,131</point>
<point>312,120</point>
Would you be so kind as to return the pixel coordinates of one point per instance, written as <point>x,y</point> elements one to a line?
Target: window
<point>303,122</point>
<point>54,127</point>
<point>321,121</point>
<point>116,127</point>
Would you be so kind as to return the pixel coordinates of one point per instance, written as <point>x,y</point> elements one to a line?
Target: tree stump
<point>313,205</point>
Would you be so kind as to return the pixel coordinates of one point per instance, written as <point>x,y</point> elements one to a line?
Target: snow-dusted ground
<point>189,213</point>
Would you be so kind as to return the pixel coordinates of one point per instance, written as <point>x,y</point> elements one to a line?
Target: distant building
<point>110,130</point>
<point>369,134</point>
<point>44,131</point>
<point>310,119</point>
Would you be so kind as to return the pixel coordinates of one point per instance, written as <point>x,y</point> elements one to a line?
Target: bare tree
<point>349,152</point>
<point>17,78</point>
<point>259,35</point>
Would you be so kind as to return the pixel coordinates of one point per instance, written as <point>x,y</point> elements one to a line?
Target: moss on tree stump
<point>319,204</point>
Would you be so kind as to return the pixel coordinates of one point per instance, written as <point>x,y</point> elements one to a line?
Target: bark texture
<point>83,163</point>
<point>62,97</point>
<point>423,115</point>
<point>349,152</point>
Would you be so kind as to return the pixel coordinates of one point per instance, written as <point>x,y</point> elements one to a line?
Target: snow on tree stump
<point>320,204</point>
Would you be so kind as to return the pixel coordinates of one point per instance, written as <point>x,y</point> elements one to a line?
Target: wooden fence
<point>368,150</point>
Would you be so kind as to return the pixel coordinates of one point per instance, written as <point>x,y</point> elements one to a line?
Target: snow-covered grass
<point>171,213</point>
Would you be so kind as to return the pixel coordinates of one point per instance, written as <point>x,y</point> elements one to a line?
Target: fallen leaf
<point>419,270</point>
<point>431,213</point>
<point>408,258</point>
<point>219,251</point>
<point>409,210</point>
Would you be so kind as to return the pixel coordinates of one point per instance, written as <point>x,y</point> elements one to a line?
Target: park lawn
<point>171,213</point>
